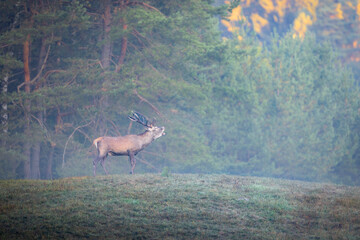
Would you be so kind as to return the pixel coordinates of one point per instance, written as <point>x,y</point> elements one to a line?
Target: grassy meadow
<point>150,206</point>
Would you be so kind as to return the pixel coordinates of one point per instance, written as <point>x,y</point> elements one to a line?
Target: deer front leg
<point>132,161</point>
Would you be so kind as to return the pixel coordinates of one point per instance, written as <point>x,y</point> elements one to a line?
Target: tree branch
<point>85,125</point>
<point>148,164</point>
<point>150,104</point>
<point>115,128</point>
<point>144,5</point>
<point>39,73</point>
<point>47,133</point>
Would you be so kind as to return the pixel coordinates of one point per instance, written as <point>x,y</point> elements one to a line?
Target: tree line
<point>72,71</point>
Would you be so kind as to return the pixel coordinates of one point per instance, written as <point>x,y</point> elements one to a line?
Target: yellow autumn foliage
<point>280,7</point>
<point>231,27</point>
<point>248,2</point>
<point>235,16</point>
<point>300,25</point>
<point>310,5</point>
<point>258,22</point>
<point>267,5</point>
<point>339,12</point>
<point>350,5</point>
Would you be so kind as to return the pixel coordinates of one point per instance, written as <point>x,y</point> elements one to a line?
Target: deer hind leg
<point>96,161</point>
<point>132,162</point>
<point>102,162</point>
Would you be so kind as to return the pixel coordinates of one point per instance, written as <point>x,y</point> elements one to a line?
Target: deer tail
<point>96,141</point>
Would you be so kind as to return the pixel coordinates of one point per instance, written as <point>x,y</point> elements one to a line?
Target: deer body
<point>128,145</point>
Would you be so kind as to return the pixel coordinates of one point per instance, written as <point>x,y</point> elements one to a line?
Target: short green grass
<point>152,206</point>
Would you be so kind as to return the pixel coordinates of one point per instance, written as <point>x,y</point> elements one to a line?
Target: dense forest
<point>262,88</point>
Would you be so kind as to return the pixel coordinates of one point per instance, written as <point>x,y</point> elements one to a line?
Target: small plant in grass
<point>165,172</point>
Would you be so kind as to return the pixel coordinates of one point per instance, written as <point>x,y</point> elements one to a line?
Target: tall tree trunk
<point>27,144</point>
<point>105,60</point>
<point>106,50</point>
<point>35,161</point>
<point>124,41</point>
<point>4,113</point>
<point>50,161</point>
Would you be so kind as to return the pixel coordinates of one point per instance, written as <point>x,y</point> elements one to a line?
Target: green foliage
<point>288,109</point>
<point>284,112</point>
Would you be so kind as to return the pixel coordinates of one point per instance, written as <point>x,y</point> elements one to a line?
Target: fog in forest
<point>251,88</point>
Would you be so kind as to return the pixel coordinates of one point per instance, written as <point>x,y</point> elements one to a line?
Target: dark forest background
<point>262,88</point>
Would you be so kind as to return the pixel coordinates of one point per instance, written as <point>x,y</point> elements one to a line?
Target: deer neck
<point>147,137</point>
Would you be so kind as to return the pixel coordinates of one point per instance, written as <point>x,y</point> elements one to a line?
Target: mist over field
<point>250,88</point>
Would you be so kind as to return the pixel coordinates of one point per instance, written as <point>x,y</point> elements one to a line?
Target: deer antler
<point>137,117</point>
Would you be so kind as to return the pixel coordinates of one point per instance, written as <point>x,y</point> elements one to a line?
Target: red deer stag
<point>128,145</point>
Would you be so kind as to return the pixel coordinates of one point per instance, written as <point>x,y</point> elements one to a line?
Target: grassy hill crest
<point>149,206</point>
